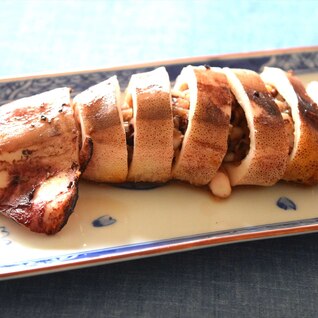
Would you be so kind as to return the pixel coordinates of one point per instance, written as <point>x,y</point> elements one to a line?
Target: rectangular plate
<point>113,224</point>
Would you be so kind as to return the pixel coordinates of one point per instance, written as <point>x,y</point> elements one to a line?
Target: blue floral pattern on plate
<point>286,204</point>
<point>4,236</point>
<point>126,249</point>
<point>104,220</point>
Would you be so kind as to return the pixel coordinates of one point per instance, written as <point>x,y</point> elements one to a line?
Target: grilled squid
<point>202,108</point>
<point>303,112</point>
<point>39,161</point>
<point>263,161</point>
<point>98,112</point>
<point>217,128</point>
<point>152,150</point>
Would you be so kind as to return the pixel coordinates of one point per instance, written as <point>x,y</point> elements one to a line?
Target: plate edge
<point>165,247</point>
<point>182,60</point>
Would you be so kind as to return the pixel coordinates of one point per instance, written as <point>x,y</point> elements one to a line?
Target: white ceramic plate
<point>113,224</point>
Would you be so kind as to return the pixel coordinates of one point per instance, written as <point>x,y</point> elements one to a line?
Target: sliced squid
<point>303,160</point>
<point>98,110</point>
<point>263,161</point>
<point>218,127</point>
<point>150,135</point>
<point>204,95</point>
<point>39,161</point>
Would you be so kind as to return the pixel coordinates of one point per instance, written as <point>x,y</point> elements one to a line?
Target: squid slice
<point>266,160</point>
<point>98,112</point>
<point>303,161</point>
<point>39,161</point>
<point>205,140</point>
<point>152,154</point>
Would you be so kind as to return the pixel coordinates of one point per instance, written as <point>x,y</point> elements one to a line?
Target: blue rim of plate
<point>140,247</point>
<point>299,60</point>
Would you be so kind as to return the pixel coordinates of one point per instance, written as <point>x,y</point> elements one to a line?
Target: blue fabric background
<point>56,35</point>
<point>271,278</point>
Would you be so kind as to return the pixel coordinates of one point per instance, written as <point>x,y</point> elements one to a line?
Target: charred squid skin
<point>86,153</point>
<point>39,161</point>
<point>68,210</point>
<point>54,214</point>
<point>22,203</point>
